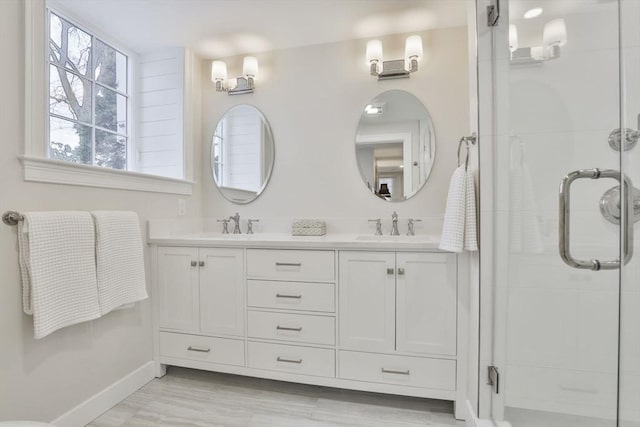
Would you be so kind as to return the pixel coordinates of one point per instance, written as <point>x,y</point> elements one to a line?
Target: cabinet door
<point>178,288</point>
<point>222,292</point>
<point>426,303</point>
<point>367,301</point>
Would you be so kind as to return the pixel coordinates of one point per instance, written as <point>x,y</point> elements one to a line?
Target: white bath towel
<point>524,228</point>
<point>58,267</point>
<point>119,259</point>
<point>459,231</point>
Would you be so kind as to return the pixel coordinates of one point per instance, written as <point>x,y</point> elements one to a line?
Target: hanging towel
<point>459,231</point>
<point>58,268</point>
<point>524,229</point>
<point>119,259</point>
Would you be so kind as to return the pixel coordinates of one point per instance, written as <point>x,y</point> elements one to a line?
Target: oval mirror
<point>395,145</point>
<point>242,153</point>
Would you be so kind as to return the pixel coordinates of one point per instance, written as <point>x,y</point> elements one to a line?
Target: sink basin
<point>388,238</point>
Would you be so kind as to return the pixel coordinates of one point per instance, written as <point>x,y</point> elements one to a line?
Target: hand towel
<point>459,231</point>
<point>524,229</point>
<point>58,268</point>
<point>119,259</point>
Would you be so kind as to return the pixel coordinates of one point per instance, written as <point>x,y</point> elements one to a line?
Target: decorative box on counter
<point>308,227</point>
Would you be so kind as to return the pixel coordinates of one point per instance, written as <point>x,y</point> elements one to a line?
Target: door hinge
<point>493,378</point>
<point>493,13</point>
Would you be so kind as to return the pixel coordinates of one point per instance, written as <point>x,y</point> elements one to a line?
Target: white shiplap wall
<point>160,113</point>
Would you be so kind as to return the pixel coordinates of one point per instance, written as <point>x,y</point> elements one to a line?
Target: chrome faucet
<point>250,225</point>
<point>394,224</point>
<point>225,225</point>
<point>236,220</point>
<point>378,226</point>
<point>410,231</point>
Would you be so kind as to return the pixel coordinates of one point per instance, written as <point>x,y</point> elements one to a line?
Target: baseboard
<point>106,399</point>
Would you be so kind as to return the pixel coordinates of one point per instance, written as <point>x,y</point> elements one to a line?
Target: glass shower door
<point>560,300</point>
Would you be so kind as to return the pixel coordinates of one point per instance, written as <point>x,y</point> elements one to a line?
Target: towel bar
<point>12,217</point>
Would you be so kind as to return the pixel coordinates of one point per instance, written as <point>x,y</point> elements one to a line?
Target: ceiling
<point>222,28</point>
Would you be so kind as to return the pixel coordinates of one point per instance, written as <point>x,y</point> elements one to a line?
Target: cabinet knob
<point>390,271</point>
<point>201,263</point>
<point>194,263</point>
<point>401,272</point>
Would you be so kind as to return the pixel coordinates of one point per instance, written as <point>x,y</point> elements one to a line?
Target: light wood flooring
<point>187,397</point>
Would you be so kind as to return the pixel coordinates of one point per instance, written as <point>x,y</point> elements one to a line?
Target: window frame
<point>38,167</point>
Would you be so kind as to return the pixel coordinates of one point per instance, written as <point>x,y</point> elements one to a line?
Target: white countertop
<point>285,241</point>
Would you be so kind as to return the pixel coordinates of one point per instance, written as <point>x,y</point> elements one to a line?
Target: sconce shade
<point>250,66</point>
<point>374,51</point>
<point>513,38</point>
<point>218,70</point>
<point>413,47</point>
<point>555,33</point>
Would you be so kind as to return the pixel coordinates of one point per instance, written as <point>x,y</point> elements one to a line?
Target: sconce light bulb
<point>250,66</point>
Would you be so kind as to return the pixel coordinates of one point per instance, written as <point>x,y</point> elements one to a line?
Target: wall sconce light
<point>397,69</point>
<point>245,84</point>
<point>553,38</point>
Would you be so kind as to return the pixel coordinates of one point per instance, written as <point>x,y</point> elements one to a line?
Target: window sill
<point>61,172</point>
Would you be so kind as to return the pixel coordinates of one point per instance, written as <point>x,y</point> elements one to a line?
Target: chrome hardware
<point>201,350</point>
<point>225,225</point>
<point>194,263</point>
<point>394,224</point>
<point>410,222</point>
<point>565,218</point>
<point>390,271</point>
<point>288,264</point>
<point>580,390</point>
<point>283,359</point>
<point>493,13</point>
<point>466,140</point>
<point>12,217</point>
<point>394,371</point>
<point>250,225</point>
<point>286,328</point>
<point>610,204</point>
<point>401,272</point>
<point>288,296</point>
<point>378,222</point>
<point>493,378</point>
<point>631,137</point>
<point>201,264</point>
<point>236,220</point>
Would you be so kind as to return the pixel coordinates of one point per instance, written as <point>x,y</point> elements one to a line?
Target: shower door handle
<point>565,219</point>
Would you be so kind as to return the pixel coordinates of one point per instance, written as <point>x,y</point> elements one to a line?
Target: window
<point>88,98</point>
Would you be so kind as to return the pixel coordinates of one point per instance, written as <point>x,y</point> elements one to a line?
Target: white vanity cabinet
<point>378,320</point>
<point>396,305</point>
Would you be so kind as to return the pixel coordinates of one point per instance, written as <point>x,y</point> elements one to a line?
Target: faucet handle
<point>378,222</point>
<point>410,222</point>
<point>250,225</point>
<point>225,225</point>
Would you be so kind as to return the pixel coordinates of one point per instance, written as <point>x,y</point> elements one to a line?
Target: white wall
<point>41,379</point>
<point>313,98</point>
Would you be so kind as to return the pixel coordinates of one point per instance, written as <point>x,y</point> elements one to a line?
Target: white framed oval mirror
<point>395,145</point>
<point>242,154</point>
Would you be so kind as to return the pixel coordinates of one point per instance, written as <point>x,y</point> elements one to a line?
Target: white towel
<point>58,267</point>
<point>459,231</point>
<point>524,229</point>
<point>119,259</point>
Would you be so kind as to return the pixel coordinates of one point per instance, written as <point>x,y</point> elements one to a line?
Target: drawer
<point>318,362</point>
<point>398,370</point>
<point>205,349</point>
<point>292,295</point>
<point>298,265</point>
<point>300,328</point>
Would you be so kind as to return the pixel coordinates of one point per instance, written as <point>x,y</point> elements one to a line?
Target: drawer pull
<point>286,328</point>
<point>288,296</point>
<point>393,371</point>
<point>283,359</point>
<point>288,264</point>
<point>580,390</point>
<point>194,263</point>
<point>390,271</point>
<point>201,263</point>
<point>201,350</point>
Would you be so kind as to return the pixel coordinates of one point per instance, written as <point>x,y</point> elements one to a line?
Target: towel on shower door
<point>524,227</point>
<point>119,259</point>
<point>58,267</point>
<point>459,231</point>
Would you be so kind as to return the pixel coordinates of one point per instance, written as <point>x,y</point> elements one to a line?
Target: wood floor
<point>186,397</point>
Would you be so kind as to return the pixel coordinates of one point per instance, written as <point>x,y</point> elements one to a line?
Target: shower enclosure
<point>559,89</point>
